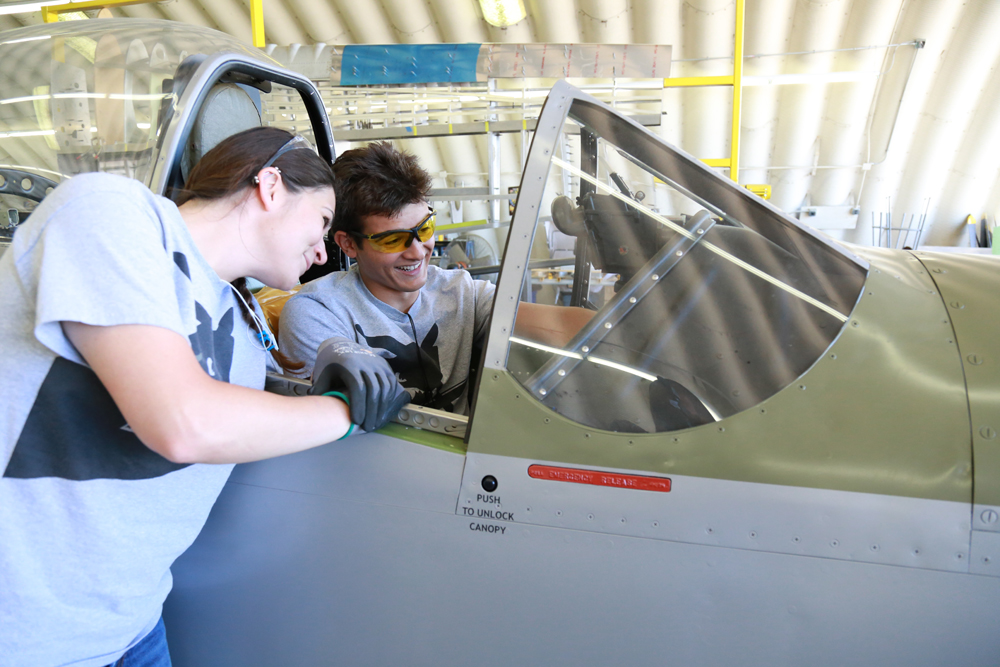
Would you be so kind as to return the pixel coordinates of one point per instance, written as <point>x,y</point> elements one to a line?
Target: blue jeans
<point>150,652</point>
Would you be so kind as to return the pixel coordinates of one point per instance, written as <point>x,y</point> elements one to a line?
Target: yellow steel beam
<point>50,14</point>
<point>718,162</point>
<point>685,81</point>
<point>734,146</point>
<point>257,22</point>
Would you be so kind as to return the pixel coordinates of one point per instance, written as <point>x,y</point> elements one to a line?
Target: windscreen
<point>662,296</point>
<point>91,95</point>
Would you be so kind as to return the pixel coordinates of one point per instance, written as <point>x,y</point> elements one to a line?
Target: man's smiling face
<point>394,278</point>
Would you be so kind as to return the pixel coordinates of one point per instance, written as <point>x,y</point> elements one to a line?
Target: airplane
<point>139,98</point>
<point>765,447</point>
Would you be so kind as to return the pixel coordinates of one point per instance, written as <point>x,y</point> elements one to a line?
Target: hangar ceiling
<point>907,128</point>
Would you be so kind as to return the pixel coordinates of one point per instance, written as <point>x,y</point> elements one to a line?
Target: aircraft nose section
<point>969,286</point>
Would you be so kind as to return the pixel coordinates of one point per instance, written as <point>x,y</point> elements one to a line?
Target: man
<point>393,306</point>
<point>423,320</point>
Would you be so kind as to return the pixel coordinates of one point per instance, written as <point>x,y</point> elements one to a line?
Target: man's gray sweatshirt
<point>430,348</point>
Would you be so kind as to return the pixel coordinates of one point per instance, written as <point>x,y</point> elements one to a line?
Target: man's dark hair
<point>376,180</point>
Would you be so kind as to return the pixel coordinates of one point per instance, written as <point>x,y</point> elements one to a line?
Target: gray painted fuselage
<point>354,554</point>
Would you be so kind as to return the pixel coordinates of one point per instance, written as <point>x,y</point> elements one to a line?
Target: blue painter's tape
<point>367,64</point>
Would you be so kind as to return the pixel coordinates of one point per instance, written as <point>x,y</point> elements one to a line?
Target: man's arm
<point>550,325</point>
<point>305,324</point>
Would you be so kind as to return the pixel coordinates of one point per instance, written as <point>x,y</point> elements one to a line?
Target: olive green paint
<point>970,289</point>
<point>884,410</point>
<point>448,443</point>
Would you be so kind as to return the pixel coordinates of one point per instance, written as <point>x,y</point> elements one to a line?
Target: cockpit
<point>708,301</point>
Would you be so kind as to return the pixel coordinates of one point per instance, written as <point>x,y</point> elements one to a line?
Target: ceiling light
<point>28,7</point>
<point>502,13</point>
<point>26,39</point>
<point>29,133</point>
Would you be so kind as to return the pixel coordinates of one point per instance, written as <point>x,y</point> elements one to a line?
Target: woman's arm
<point>184,415</point>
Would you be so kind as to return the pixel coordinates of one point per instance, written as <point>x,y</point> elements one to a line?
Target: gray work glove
<point>370,385</point>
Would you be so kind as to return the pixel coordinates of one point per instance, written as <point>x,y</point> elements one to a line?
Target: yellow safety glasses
<point>397,240</point>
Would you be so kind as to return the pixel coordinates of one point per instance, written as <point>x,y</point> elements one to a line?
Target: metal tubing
<point>533,264</point>
<point>493,157</point>
<point>581,275</point>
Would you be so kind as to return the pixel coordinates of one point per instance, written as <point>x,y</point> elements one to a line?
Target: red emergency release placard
<point>598,478</point>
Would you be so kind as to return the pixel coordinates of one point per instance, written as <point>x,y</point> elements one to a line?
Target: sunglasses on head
<point>397,240</point>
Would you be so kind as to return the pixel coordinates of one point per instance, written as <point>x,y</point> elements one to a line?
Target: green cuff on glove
<point>343,397</point>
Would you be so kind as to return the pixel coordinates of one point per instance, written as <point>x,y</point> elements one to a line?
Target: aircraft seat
<point>272,301</point>
<point>227,109</point>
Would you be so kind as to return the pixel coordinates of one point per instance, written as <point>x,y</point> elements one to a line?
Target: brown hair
<point>230,168</point>
<point>376,179</point>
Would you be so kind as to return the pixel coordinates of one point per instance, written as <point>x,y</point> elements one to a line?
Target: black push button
<point>490,484</point>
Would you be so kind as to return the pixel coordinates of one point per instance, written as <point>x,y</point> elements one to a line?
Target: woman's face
<point>293,237</point>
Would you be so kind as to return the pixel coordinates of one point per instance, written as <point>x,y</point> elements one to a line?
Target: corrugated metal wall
<point>818,144</point>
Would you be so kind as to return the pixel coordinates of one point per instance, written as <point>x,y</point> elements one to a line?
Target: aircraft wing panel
<point>371,467</point>
<point>842,525</point>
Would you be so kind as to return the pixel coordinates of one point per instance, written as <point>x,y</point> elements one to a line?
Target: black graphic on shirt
<point>213,348</point>
<point>419,368</point>
<point>75,431</point>
<point>181,260</point>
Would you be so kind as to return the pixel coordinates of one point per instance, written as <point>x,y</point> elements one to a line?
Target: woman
<point>130,359</point>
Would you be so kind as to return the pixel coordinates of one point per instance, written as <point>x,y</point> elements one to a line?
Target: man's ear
<point>347,243</point>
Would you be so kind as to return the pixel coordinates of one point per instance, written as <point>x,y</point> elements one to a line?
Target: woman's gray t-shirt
<point>90,518</point>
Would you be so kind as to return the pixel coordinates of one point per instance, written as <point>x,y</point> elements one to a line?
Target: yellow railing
<point>736,81</point>
<point>51,13</point>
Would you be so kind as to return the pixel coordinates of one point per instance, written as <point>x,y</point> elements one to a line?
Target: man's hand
<point>375,394</point>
